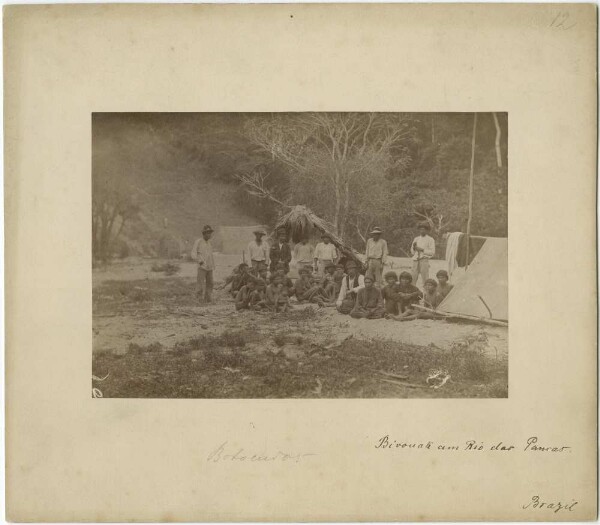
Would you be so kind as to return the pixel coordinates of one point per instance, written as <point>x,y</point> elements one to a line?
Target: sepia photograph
<point>295,296</point>
<point>300,255</point>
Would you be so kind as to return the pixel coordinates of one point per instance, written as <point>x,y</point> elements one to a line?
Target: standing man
<point>303,253</point>
<point>202,253</point>
<point>258,250</point>
<point>325,254</point>
<point>280,252</point>
<point>422,249</point>
<point>376,254</point>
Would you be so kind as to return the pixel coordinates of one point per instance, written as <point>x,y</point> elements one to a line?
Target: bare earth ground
<point>153,340</point>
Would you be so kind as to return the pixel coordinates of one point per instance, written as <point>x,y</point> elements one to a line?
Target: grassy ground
<point>264,355</point>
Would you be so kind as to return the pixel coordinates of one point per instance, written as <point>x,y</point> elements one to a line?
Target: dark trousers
<point>205,284</point>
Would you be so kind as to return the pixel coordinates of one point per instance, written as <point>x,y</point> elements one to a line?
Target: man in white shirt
<point>422,249</point>
<point>203,254</point>
<point>376,254</point>
<point>325,254</point>
<point>258,251</point>
<point>351,284</point>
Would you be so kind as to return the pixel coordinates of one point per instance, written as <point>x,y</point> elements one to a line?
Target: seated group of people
<point>350,292</point>
<point>360,298</point>
<point>256,289</point>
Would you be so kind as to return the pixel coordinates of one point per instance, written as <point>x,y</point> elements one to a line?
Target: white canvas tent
<point>482,291</point>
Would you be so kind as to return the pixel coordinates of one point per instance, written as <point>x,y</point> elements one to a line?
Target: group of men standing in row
<point>317,259</point>
<point>325,252</point>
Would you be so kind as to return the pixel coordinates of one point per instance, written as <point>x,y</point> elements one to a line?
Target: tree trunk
<point>498,136</point>
<point>346,207</point>
<point>338,201</point>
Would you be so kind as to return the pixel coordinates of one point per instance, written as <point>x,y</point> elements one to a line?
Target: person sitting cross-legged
<point>390,293</point>
<point>282,271</point>
<point>238,278</point>
<point>244,296</point>
<point>258,298</point>
<point>306,290</point>
<point>431,300</point>
<point>408,294</point>
<point>369,302</point>
<point>328,283</point>
<point>351,284</point>
<point>276,296</point>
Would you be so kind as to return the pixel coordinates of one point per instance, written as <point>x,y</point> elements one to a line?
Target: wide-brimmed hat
<point>259,232</point>
<point>330,265</point>
<point>325,234</point>
<point>207,229</point>
<point>351,264</point>
<point>376,230</point>
<point>303,270</point>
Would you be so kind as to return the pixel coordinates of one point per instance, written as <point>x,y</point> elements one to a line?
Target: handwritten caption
<point>532,444</point>
<point>236,454</point>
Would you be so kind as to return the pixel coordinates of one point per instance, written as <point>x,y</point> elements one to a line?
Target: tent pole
<point>471,189</point>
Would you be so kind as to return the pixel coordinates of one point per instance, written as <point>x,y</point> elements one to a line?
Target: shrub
<point>136,349</point>
<point>280,340</point>
<point>167,268</point>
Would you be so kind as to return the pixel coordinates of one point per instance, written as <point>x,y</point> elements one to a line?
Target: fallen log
<point>464,317</point>
<point>396,376</point>
<point>400,383</point>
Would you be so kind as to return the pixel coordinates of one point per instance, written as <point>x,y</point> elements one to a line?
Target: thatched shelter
<point>300,222</point>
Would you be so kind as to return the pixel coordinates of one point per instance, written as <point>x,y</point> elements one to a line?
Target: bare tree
<point>436,220</point>
<point>325,153</point>
<point>112,207</point>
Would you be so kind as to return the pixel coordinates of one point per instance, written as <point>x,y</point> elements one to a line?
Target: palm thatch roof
<point>301,222</point>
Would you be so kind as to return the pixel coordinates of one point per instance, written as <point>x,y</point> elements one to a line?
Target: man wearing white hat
<point>203,254</point>
<point>258,251</point>
<point>376,255</point>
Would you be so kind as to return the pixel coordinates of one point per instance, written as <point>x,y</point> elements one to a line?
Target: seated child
<point>282,271</point>
<point>328,283</point>
<point>263,271</point>
<point>244,296</point>
<point>444,287</point>
<point>390,293</point>
<point>408,293</point>
<point>238,278</point>
<point>369,302</point>
<point>230,278</point>
<point>306,290</point>
<point>431,299</point>
<point>277,295</point>
<point>258,298</point>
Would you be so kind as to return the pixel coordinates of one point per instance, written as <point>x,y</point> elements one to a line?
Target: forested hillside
<point>164,175</point>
